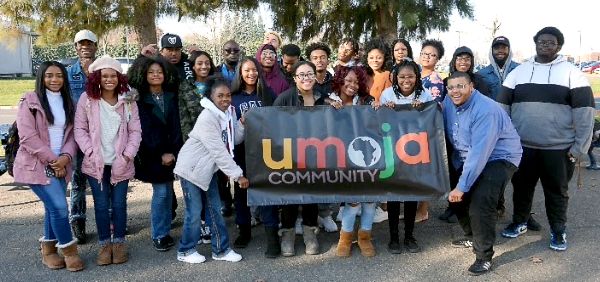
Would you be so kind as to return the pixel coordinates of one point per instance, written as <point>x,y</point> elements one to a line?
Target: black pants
<point>477,211</point>
<point>410,212</point>
<point>224,189</point>
<point>242,210</point>
<point>289,213</point>
<point>555,170</point>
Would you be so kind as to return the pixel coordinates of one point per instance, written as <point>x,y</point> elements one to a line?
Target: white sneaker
<point>230,256</point>
<point>338,218</point>
<point>194,257</point>
<point>327,223</point>
<point>380,215</point>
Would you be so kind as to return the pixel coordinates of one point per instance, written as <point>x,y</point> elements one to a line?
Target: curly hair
<point>379,44</point>
<point>352,42</point>
<point>438,45</point>
<point>92,86</point>
<point>340,76</point>
<point>138,74</point>
<point>317,46</point>
<point>406,44</point>
<point>195,54</point>
<point>394,77</point>
<point>212,83</point>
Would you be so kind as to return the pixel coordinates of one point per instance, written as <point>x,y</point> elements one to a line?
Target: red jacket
<point>34,152</point>
<point>88,136</point>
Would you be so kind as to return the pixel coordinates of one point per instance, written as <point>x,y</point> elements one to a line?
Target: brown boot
<point>50,258</point>
<point>72,259</point>
<point>364,243</point>
<point>119,253</point>
<point>104,255</point>
<point>344,246</point>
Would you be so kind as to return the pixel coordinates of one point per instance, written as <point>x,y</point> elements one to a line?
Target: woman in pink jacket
<point>108,132</point>
<point>45,125</point>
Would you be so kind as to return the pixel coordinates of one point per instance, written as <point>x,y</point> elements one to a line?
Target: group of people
<point>178,117</point>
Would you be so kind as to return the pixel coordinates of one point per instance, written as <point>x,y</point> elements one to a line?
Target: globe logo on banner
<point>364,151</point>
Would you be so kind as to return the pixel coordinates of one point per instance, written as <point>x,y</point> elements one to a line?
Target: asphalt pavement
<point>526,258</point>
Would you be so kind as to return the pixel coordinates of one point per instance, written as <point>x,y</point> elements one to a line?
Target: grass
<point>11,90</point>
<point>595,82</point>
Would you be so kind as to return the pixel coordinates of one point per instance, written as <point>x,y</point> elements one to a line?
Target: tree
<point>335,19</point>
<point>58,20</point>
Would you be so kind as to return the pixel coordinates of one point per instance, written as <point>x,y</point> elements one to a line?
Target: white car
<point>125,63</point>
<point>597,71</point>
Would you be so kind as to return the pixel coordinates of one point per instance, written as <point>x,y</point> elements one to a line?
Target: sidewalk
<point>21,217</point>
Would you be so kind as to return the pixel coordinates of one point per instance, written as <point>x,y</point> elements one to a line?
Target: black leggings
<point>410,212</point>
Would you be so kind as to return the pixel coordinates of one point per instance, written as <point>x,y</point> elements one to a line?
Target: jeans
<point>477,213</point>
<point>191,222</point>
<point>554,169</point>
<point>78,206</point>
<point>269,215</point>
<point>160,209</point>
<point>289,214</point>
<point>106,196</point>
<point>366,218</point>
<point>56,216</point>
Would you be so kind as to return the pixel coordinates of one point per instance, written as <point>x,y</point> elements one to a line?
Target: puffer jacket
<point>88,135</point>
<point>205,152</point>
<point>34,152</point>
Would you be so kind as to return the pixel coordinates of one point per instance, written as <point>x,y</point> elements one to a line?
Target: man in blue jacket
<point>487,151</point>
<point>86,45</point>
<point>501,64</point>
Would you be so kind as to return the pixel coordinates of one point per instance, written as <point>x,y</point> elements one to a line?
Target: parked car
<point>67,61</point>
<point>589,67</point>
<point>594,67</point>
<point>597,71</point>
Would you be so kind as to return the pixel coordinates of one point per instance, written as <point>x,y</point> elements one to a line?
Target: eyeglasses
<point>458,87</point>
<point>232,50</point>
<point>301,76</point>
<point>267,53</point>
<point>407,77</point>
<point>546,43</point>
<point>463,59</point>
<point>430,55</point>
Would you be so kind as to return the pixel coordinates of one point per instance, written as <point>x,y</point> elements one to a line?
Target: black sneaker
<point>447,214</point>
<point>163,244</point>
<point>480,267</point>
<point>411,245</point>
<point>78,227</point>
<point>462,243</point>
<point>532,224</point>
<point>394,247</point>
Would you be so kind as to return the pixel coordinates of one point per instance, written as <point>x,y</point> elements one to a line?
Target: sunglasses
<point>232,50</point>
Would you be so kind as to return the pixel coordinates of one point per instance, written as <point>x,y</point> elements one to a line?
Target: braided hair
<point>394,77</point>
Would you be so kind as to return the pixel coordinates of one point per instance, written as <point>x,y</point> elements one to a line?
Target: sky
<point>520,20</point>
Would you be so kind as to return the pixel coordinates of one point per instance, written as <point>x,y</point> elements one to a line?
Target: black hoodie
<point>478,80</point>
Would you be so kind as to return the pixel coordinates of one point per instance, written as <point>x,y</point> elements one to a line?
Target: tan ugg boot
<point>119,253</point>
<point>364,243</point>
<point>72,259</point>
<point>50,257</point>
<point>104,255</point>
<point>344,246</point>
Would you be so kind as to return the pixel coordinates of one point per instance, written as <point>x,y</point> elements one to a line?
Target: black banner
<point>355,154</point>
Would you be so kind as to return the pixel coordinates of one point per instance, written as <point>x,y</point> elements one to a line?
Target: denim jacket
<point>77,80</point>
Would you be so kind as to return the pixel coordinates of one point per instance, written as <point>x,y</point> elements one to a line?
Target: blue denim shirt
<point>480,131</point>
<point>77,81</point>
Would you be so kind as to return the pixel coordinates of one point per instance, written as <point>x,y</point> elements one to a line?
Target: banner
<point>355,154</point>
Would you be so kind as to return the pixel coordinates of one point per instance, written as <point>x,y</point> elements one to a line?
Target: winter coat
<point>274,79</point>
<point>189,106</point>
<point>205,151</point>
<point>161,134</point>
<point>34,152</point>
<point>291,98</point>
<point>88,134</point>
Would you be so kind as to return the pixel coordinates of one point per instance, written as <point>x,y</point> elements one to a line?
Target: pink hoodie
<point>88,136</point>
<point>34,152</point>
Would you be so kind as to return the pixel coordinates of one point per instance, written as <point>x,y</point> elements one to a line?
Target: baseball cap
<point>500,40</point>
<point>85,34</point>
<point>170,41</point>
